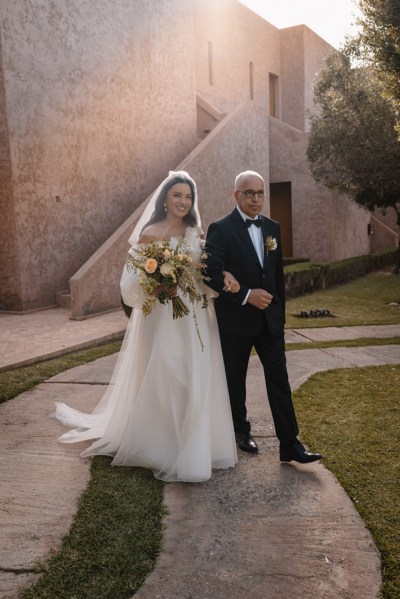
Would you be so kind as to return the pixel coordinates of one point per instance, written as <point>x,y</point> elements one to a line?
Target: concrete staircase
<point>231,144</point>
<point>63,299</point>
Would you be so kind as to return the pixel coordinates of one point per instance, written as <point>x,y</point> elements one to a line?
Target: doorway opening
<point>281,211</point>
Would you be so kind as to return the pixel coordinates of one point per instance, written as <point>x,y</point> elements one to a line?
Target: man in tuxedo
<point>252,312</point>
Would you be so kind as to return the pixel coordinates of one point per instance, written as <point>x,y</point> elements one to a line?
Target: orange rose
<point>150,265</point>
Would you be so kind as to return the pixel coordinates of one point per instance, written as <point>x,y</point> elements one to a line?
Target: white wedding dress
<point>167,406</point>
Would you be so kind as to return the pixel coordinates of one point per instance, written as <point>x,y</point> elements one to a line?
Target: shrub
<point>306,277</point>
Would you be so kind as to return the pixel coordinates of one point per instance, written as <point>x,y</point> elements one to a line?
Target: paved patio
<point>263,529</point>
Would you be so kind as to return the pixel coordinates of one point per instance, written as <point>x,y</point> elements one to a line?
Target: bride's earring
<point>165,207</point>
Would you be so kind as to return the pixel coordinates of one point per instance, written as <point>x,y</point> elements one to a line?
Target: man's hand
<point>259,298</point>
<point>230,283</point>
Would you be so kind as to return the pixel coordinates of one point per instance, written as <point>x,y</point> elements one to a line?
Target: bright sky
<point>331,19</point>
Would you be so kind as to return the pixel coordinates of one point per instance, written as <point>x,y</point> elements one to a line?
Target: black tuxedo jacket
<point>229,247</point>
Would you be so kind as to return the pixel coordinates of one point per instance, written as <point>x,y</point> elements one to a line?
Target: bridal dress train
<point>167,406</point>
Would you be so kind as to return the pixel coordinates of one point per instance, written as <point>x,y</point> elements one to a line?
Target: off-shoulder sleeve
<point>131,291</point>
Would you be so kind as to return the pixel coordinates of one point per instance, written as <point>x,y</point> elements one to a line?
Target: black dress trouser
<point>236,350</point>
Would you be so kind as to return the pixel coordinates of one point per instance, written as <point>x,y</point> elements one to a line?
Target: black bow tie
<point>250,221</point>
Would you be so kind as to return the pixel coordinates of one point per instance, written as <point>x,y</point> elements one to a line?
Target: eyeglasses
<point>250,193</point>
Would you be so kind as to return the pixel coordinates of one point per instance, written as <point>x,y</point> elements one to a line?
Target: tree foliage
<point>353,146</point>
<point>379,43</point>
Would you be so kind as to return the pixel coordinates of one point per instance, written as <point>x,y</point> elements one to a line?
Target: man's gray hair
<point>241,176</point>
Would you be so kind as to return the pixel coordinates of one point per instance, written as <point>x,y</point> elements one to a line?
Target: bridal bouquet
<point>166,273</point>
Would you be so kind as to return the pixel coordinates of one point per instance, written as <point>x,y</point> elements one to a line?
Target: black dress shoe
<point>246,443</point>
<point>297,453</point>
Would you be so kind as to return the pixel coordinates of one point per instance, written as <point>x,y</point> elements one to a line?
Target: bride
<point>167,406</point>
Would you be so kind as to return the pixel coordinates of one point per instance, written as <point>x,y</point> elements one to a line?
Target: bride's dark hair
<point>159,213</point>
<point>159,210</point>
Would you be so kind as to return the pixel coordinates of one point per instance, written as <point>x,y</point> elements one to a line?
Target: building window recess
<point>251,73</point>
<point>210,64</point>
<point>273,95</point>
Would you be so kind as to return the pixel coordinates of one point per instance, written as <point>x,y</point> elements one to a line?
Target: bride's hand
<point>230,283</point>
<point>171,292</point>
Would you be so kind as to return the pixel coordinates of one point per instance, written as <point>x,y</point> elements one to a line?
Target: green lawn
<point>352,416</point>
<point>364,301</point>
<point>114,541</point>
<point>14,382</point>
<point>117,534</point>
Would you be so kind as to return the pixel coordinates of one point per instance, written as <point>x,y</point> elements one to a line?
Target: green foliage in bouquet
<point>166,274</point>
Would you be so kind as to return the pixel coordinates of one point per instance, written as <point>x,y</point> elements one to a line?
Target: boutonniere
<point>270,243</point>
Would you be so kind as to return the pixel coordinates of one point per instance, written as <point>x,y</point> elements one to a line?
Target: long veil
<point>179,176</point>
<point>93,425</point>
<point>167,405</point>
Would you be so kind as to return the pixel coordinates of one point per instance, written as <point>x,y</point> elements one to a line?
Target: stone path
<point>267,530</point>
<point>49,333</point>
<point>26,339</point>
<point>264,529</point>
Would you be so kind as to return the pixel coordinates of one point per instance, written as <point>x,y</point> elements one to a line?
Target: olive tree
<point>353,145</point>
<point>378,44</point>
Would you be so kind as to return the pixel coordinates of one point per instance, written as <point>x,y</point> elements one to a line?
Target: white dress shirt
<point>256,236</point>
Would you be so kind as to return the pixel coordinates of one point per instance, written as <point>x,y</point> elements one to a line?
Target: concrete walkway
<point>263,530</point>
<point>50,333</point>
<point>29,338</point>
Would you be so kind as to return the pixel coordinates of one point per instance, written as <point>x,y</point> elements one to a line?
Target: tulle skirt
<point>167,406</point>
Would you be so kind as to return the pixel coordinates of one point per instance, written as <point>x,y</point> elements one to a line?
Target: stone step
<point>63,298</point>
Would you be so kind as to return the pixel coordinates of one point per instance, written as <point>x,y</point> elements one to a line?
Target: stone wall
<point>326,225</point>
<point>316,50</point>
<point>95,115</point>
<point>214,165</point>
<point>98,103</point>
<point>384,234</point>
<point>302,57</point>
<point>10,280</point>
<point>229,37</point>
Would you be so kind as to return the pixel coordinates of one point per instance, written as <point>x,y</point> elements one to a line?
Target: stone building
<point>99,99</point>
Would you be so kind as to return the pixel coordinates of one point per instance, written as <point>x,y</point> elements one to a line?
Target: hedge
<point>306,277</point>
